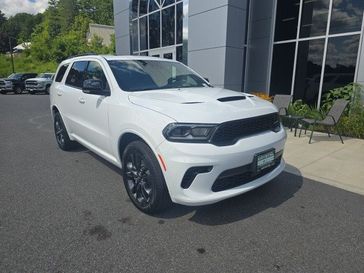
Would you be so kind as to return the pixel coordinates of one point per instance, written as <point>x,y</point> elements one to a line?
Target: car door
<point>93,120</point>
<point>69,95</point>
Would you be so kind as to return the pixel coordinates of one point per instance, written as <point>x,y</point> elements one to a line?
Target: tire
<point>143,178</point>
<point>47,90</point>
<point>61,134</point>
<point>31,92</point>
<point>18,90</point>
<point>3,92</point>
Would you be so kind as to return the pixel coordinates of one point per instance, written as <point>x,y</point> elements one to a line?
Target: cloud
<point>11,7</point>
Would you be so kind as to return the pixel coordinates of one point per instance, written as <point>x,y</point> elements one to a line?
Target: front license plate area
<point>264,160</point>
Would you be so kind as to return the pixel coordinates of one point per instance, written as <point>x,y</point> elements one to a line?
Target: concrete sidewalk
<point>327,160</point>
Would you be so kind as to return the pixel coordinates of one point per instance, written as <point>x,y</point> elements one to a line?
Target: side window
<point>94,71</point>
<point>76,75</point>
<point>61,72</point>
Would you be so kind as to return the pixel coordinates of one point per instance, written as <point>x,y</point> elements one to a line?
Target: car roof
<point>113,58</point>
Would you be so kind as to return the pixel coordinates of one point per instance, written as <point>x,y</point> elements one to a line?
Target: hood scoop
<point>234,98</point>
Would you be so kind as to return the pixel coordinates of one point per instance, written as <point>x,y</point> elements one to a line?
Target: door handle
<point>59,93</point>
<point>82,100</point>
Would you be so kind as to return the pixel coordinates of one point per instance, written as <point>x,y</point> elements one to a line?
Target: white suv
<point>175,136</point>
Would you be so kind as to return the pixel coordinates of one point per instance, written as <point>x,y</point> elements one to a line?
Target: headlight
<point>189,132</point>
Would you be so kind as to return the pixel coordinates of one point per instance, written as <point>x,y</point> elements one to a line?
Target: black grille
<point>31,82</point>
<point>242,175</point>
<point>230,132</point>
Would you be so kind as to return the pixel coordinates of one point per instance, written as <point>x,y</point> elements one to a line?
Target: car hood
<point>202,105</point>
<point>9,80</point>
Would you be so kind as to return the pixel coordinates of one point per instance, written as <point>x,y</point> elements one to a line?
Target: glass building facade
<point>300,47</point>
<point>157,28</point>
<point>316,47</point>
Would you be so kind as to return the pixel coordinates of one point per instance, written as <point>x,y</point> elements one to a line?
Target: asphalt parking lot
<point>69,212</point>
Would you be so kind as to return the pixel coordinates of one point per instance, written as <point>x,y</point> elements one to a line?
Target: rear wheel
<point>62,137</point>
<point>143,178</point>
<point>18,90</point>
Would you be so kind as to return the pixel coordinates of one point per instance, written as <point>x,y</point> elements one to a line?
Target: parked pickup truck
<point>41,83</point>
<point>15,82</point>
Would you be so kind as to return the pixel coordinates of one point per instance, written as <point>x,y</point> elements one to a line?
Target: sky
<point>11,7</point>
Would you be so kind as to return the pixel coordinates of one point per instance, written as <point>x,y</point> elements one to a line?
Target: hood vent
<point>231,98</point>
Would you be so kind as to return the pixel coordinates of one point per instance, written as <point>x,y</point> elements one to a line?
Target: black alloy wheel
<point>18,90</point>
<point>61,134</point>
<point>143,178</point>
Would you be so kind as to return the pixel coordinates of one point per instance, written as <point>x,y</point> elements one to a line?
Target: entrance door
<point>166,53</point>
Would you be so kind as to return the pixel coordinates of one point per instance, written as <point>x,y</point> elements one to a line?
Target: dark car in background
<point>41,83</point>
<point>15,82</point>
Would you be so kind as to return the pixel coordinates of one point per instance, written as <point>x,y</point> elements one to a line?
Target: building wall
<point>102,31</point>
<point>216,33</point>
<point>121,19</point>
<point>260,40</point>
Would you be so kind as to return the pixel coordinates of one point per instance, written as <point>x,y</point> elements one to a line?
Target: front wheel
<point>143,178</point>
<point>18,90</point>
<point>62,137</point>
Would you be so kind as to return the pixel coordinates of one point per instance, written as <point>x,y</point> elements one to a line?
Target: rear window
<point>61,72</point>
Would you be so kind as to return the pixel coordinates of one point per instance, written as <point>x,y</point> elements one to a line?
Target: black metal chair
<point>331,120</point>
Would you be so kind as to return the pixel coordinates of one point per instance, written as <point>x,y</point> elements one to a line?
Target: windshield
<point>140,75</point>
<point>45,75</point>
<point>15,76</point>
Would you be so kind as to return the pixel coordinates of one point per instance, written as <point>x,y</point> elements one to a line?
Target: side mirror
<point>94,87</point>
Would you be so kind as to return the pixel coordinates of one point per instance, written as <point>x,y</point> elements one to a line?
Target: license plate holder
<point>264,160</point>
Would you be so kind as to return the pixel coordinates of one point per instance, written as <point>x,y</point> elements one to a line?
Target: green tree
<point>98,11</point>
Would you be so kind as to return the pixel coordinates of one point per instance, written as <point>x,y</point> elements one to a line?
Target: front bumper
<point>35,88</point>
<point>179,157</point>
<point>6,88</point>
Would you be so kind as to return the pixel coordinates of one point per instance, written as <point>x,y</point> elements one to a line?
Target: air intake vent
<point>231,98</point>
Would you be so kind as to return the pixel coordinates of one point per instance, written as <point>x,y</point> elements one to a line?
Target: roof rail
<point>82,54</point>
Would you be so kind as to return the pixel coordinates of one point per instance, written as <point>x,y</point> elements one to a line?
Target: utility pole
<point>11,54</point>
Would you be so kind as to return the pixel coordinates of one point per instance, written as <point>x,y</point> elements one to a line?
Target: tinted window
<point>76,75</point>
<point>314,18</point>
<point>346,16</point>
<point>143,33</point>
<point>168,2</point>
<point>152,6</point>
<point>134,9</point>
<point>61,72</point>
<point>179,23</point>
<point>143,5</point>
<point>340,61</point>
<point>286,19</point>
<point>154,30</point>
<point>308,72</point>
<point>282,68</point>
<point>94,71</point>
<point>168,26</point>
<point>135,35</point>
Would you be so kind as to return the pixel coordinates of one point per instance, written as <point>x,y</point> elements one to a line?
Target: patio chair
<point>331,119</point>
<point>282,102</point>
